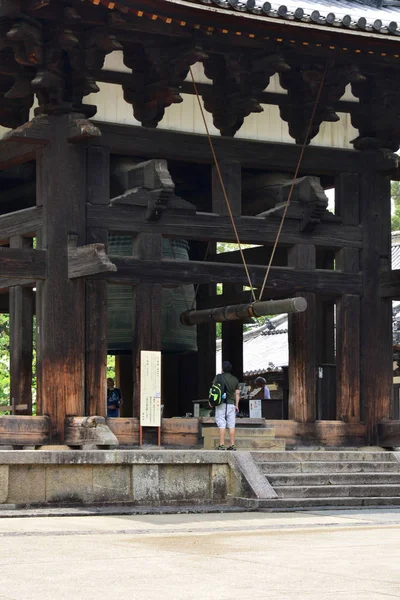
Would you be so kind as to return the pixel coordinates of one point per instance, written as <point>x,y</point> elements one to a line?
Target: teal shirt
<point>232,384</point>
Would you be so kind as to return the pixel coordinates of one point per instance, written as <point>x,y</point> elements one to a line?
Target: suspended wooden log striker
<point>239,312</point>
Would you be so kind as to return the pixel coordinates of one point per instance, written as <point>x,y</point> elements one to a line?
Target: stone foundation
<point>159,477</point>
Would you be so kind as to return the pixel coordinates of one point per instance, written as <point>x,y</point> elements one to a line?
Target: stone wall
<point>159,477</point>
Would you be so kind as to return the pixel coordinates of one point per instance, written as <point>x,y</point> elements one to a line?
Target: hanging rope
<point>293,181</point>
<point>223,186</point>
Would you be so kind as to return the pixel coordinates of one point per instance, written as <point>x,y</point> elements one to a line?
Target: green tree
<point>4,360</point>
<point>395,192</point>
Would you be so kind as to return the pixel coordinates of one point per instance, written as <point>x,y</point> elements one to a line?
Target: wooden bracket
<point>150,184</point>
<point>308,202</point>
<point>87,260</point>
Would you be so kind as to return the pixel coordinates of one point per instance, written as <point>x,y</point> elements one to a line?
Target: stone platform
<point>147,478</point>
<point>127,477</point>
<point>246,438</point>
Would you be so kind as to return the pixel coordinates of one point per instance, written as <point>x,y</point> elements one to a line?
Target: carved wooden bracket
<point>237,79</point>
<point>87,260</point>
<point>150,184</point>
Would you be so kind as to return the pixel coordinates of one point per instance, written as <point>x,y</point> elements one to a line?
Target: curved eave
<point>240,17</point>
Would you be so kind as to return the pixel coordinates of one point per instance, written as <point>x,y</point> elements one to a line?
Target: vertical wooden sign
<point>150,392</point>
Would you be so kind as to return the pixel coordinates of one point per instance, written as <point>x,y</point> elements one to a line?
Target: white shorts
<point>225,415</point>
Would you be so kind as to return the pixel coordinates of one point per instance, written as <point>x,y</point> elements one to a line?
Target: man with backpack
<point>225,390</point>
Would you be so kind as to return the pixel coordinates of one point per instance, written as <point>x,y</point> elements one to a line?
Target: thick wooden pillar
<point>206,334</point>
<point>232,338</point>
<point>376,312</point>
<point>147,310</point>
<point>302,346</point>
<point>347,202</point>
<point>232,333</point>
<point>21,340</point>
<point>232,177</point>
<point>61,189</point>
<point>97,193</point>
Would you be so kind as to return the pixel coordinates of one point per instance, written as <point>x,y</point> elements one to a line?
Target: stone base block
<point>246,439</point>
<point>89,433</point>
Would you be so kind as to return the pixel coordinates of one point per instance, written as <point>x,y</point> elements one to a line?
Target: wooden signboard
<point>150,391</point>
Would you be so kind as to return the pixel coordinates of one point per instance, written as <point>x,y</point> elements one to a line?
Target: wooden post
<point>206,334</point>
<point>231,173</point>
<point>147,310</point>
<point>376,312</point>
<point>232,333</point>
<point>97,193</point>
<point>21,340</point>
<point>232,338</point>
<point>348,308</point>
<point>61,188</point>
<point>302,346</point>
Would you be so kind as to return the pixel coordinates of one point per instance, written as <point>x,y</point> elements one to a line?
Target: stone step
<point>246,443</point>
<point>280,504</point>
<point>327,467</point>
<point>265,432</point>
<point>301,479</point>
<point>324,456</point>
<point>334,491</point>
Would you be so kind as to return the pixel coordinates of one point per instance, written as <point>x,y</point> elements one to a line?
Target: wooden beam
<point>38,131</point>
<point>212,227</point>
<point>96,300</point>
<point>147,311</point>
<point>23,263</point>
<point>84,261</point>
<point>232,339</point>
<point>20,222</point>
<point>376,312</point>
<point>12,155</point>
<point>302,344</point>
<point>21,145</point>
<point>389,284</point>
<point>5,284</point>
<point>131,271</point>
<point>61,178</point>
<point>254,256</point>
<point>22,302</point>
<point>231,174</point>
<point>347,204</point>
<point>139,141</point>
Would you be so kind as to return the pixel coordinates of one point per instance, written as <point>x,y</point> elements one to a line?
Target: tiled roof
<point>344,14</point>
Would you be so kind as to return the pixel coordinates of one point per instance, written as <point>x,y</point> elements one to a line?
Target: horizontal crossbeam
<point>21,222</point>
<point>212,227</point>
<point>130,140</point>
<point>23,263</point>
<point>131,271</point>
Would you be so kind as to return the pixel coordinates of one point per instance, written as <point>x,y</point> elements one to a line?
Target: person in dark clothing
<point>225,413</point>
<point>114,399</point>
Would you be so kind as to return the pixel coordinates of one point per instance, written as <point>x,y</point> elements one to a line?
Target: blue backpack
<point>217,393</point>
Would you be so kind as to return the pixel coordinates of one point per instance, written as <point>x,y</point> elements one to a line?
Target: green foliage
<point>5,363</point>
<point>395,191</point>
<point>4,360</point>
<point>111,367</point>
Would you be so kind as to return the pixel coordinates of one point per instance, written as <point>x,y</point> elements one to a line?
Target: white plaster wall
<point>265,126</point>
<point>186,116</point>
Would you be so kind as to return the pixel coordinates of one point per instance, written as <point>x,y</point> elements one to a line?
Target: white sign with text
<point>150,388</point>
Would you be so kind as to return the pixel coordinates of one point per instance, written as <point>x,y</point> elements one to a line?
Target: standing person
<point>114,399</point>
<point>261,382</point>
<point>225,413</point>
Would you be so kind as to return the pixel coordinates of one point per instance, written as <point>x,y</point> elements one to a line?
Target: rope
<point>293,182</point>
<point>223,186</point>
